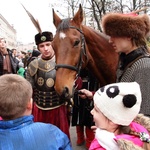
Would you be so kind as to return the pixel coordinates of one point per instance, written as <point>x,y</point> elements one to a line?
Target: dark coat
<point>81,110</point>
<point>14,65</point>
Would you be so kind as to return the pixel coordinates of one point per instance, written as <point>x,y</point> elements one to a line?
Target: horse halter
<point>82,52</point>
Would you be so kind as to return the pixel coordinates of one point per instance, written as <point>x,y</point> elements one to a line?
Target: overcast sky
<point>14,13</point>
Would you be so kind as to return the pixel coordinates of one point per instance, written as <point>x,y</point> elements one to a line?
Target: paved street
<point>73,140</point>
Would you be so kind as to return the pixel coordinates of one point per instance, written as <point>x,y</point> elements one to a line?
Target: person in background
<point>17,129</point>
<point>34,54</point>
<point>15,58</point>
<point>26,58</point>
<point>81,117</point>
<point>7,63</point>
<point>14,55</point>
<point>128,33</point>
<point>19,57</point>
<point>41,73</point>
<point>30,52</point>
<point>115,113</point>
<point>21,70</point>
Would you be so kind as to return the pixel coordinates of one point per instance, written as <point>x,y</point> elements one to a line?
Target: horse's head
<point>69,47</point>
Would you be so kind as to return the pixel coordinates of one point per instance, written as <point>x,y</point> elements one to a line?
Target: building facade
<point>8,32</point>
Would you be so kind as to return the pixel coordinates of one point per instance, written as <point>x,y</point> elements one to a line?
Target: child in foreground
<point>118,125</point>
<point>17,129</point>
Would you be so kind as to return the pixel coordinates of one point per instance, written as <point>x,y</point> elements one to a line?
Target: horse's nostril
<point>65,92</point>
<point>66,89</point>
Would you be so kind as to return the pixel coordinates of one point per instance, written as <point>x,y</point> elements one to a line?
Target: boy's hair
<point>15,93</point>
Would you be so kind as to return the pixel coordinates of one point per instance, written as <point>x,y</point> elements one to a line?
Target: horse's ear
<point>56,19</point>
<point>78,18</point>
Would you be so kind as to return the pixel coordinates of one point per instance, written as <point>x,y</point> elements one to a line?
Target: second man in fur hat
<point>128,33</point>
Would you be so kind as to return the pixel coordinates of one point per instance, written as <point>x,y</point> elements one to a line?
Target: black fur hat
<point>43,37</point>
<point>126,25</point>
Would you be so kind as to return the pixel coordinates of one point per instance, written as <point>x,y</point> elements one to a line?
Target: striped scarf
<point>5,65</point>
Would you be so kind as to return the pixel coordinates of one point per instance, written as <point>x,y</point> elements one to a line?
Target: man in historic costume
<point>128,35</point>
<point>81,116</point>
<point>7,63</point>
<point>48,107</point>
<point>41,73</point>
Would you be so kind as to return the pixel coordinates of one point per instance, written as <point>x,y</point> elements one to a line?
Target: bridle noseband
<point>82,52</point>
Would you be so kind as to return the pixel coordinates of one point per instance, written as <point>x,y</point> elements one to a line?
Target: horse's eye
<point>76,43</point>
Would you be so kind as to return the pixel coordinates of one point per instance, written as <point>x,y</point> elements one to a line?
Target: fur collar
<point>128,145</point>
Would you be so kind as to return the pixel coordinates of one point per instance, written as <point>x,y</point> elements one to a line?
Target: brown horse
<point>77,46</point>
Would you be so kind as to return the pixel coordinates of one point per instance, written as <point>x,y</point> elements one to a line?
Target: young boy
<point>17,129</point>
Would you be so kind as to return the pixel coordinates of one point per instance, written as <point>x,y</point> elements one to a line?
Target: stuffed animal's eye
<point>112,91</point>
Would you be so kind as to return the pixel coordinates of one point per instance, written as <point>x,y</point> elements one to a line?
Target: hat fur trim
<point>43,37</point>
<point>126,25</point>
<point>143,120</point>
<point>127,145</point>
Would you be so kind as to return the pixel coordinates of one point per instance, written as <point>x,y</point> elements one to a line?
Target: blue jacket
<point>24,134</point>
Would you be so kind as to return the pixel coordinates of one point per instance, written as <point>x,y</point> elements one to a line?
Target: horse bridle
<point>82,52</point>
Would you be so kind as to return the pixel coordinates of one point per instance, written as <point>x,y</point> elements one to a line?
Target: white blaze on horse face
<point>62,35</point>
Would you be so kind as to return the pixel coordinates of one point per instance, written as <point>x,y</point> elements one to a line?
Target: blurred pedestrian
<point>7,63</point>
<point>21,70</point>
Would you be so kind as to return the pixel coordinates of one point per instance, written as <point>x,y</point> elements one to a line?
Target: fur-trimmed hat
<point>43,37</point>
<point>119,102</point>
<point>126,25</point>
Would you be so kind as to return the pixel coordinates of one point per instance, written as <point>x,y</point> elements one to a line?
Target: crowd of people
<point>115,116</point>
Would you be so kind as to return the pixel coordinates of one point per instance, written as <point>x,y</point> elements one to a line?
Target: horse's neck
<point>102,58</point>
<point>96,39</point>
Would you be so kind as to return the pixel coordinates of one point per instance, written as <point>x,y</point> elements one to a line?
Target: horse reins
<point>82,52</point>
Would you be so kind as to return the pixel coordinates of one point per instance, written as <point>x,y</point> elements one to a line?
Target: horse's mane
<point>96,32</point>
<point>64,25</point>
